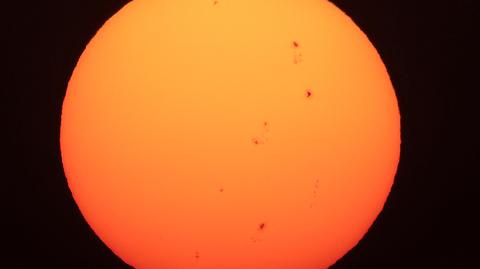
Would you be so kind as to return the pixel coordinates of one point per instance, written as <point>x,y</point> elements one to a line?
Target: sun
<point>230,134</point>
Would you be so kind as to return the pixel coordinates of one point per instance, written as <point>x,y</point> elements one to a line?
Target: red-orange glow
<point>230,134</point>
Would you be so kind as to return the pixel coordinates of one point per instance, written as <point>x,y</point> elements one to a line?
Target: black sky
<point>428,48</point>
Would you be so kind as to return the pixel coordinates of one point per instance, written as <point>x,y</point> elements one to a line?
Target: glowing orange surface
<point>230,134</point>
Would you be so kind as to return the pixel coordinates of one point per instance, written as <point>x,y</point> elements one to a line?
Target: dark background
<point>428,48</point>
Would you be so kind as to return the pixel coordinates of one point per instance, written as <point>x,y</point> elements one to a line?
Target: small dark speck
<point>295,44</point>
<point>215,2</point>
<point>197,255</point>
<point>308,93</point>
<point>261,226</point>
<point>265,123</point>
<point>256,141</point>
<point>221,190</point>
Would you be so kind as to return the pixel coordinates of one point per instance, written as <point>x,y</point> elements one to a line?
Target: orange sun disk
<point>230,134</point>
